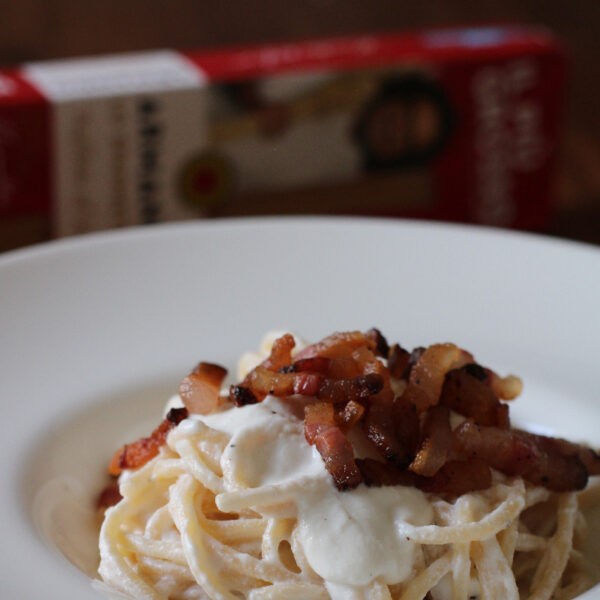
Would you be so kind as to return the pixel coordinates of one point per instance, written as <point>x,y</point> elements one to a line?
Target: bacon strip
<point>382,348</point>
<point>588,457</point>
<point>343,390</point>
<point>367,362</point>
<point>399,362</point>
<point>110,495</point>
<point>200,390</point>
<point>331,443</point>
<point>458,477</point>
<point>307,384</point>
<point>351,414</point>
<point>241,395</point>
<point>281,353</point>
<point>338,456</point>
<point>519,453</point>
<point>454,478</point>
<point>407,425</point>
<point>591,459</point>
<point>393,428</point>
<point>263,382</point>
<point>336,368</point>
<point>466,393</point>
<point>337,345</point>
<point>317,418</point>
<point>436,444</point>
<point>427,376</point>
<point>343,368</point>
<point>314,364</point>
<point>507,388</point>
<point>137,454</point>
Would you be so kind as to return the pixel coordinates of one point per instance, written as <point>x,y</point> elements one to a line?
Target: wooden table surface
<point>41,29</point>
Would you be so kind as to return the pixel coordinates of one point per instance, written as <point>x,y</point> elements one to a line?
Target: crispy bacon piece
<point>427,376</point>
<point>382,347</point>
<point>361,362</point>
<point>407,426</point>
<point>591,459</point>
<point>466,392</point>
<point>519,453</point>
<point>367,361</point>
<point>137,454</point>
<point>393,427</point>
<point>199,390</point>
<point>336,451</point>
<point>336,368</point>
<point>436,444</point>
<point>379,427</point>
<point>357,388</point>
<point>241,395</point>
<point>344,368</point>
<point>308,384</point>
<point>588,457</point>
<point>317,418</point>
<point>399,362</point>
<point>415,355</point>
<point>314,364</point>
<point>263,382</point>
<point>337,345</point>
<point>458,477</point>
<point>281,353</point>
<point>351,414</point>
<point>110,495</point>
<point>455,477</point>
<point>507,388</point>
<point>338,455</point>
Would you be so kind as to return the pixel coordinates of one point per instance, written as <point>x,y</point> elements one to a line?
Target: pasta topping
<point>410,430</point>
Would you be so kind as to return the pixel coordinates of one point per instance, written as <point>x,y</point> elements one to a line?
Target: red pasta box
<point>454,124</point>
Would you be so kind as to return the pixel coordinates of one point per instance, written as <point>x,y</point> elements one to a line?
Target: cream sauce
<point>348,537</point>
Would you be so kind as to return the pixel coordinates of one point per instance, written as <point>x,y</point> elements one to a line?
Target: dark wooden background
<point>40,29</point>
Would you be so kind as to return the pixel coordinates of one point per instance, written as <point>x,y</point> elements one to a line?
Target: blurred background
<point>33,30</point>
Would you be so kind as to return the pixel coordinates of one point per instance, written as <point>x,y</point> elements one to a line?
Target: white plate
<point>92,328</point>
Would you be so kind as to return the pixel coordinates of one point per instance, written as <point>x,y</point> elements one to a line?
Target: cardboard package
<point>454,124</point>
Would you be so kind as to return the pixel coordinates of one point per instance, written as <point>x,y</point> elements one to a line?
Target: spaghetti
<point>222,514</point>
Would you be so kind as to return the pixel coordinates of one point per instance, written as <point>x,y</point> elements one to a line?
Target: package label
<point>121,128</point>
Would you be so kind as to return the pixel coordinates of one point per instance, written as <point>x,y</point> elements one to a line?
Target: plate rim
<point>55,248</point>
<point>107,236</point>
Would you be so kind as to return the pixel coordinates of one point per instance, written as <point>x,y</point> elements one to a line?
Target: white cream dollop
<point>349,538</point>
